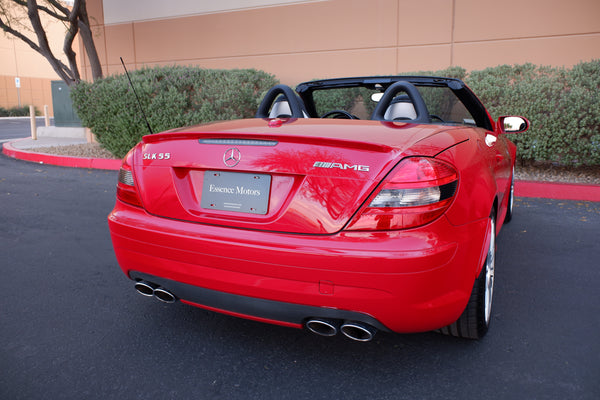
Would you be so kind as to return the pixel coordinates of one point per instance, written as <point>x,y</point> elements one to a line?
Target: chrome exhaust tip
<point>358,331</point>
<point>150,289</point>
<point>144,288</point>
<point>164,295</point>
<point>323,327</point>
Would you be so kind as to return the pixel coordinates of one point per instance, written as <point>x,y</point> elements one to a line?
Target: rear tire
<point>475,319</point>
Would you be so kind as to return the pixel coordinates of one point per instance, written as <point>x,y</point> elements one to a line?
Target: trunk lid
<point>299,176</point>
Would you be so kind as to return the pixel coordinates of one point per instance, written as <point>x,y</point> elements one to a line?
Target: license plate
<point>236,191</point>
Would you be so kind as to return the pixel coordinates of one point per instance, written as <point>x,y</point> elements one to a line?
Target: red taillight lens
<point>415,193</point>
<point>126,190</point>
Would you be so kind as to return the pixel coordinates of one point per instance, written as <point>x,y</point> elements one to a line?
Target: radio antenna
<point>136,96</point>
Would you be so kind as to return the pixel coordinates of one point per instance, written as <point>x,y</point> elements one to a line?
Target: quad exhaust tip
<point>358,331</point>
<point>323,327</point>
<point>354,330</point>
<point>151,290</point>
<point>144,288</point>
<point>164,295</point>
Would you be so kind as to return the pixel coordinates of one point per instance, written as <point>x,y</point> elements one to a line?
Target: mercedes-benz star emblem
<point>232,157</point>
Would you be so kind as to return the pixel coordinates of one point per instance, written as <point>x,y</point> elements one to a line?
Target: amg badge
<point>324,164</point>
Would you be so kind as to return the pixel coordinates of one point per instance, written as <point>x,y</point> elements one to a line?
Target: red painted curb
<point>63,161</point>
<point>557,190</point>
<point>548,190</point>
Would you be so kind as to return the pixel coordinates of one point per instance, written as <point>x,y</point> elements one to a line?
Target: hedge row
<point>563,105</point>
<point>170,97</point>
<point>15,112</point>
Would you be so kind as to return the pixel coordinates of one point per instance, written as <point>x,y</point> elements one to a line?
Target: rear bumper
<point>276,312</point>
<point>406,281</point>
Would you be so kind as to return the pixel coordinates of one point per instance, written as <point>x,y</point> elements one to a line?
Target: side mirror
<point>512,124</point>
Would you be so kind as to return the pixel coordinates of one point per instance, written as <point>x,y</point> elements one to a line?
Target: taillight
<point>126,190</point>
<point>417,191</point>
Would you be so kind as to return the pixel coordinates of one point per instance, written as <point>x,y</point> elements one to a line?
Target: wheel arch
<point>486,242</point>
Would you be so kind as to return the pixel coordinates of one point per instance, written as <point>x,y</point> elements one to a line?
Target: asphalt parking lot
<point>12,128</point>
<point>72,327</point>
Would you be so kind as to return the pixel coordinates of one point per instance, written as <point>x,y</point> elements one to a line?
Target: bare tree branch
<point>77,23</point>
<point>53,14</point>
<point>8,29</point>
<point>59,6</point>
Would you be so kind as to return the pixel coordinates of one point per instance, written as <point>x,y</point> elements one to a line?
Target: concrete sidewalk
<point>28,143</point>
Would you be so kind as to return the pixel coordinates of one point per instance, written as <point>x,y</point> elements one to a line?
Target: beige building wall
<point>302,40</point>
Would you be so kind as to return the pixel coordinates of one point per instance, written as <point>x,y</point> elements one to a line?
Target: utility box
<point>64,114</point>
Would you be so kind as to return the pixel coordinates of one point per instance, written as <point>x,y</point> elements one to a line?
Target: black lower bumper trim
<point>250,306</point>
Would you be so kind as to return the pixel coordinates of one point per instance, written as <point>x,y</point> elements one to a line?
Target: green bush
<point>15,112</point>
<point>171,97</point>
<point>562,105</point>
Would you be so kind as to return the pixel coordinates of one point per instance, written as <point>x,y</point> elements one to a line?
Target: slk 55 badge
<point>157,156</point>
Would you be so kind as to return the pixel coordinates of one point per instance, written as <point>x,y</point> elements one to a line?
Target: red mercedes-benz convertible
<point>347,206</point>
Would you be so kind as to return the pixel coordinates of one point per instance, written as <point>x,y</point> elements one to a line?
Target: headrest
<point>401,108</point>
<point>281,108</point>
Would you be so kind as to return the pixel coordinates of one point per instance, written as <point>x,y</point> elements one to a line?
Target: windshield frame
<point>482,118</point>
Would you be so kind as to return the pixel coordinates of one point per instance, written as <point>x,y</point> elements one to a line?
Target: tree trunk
<point>88,41</point>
